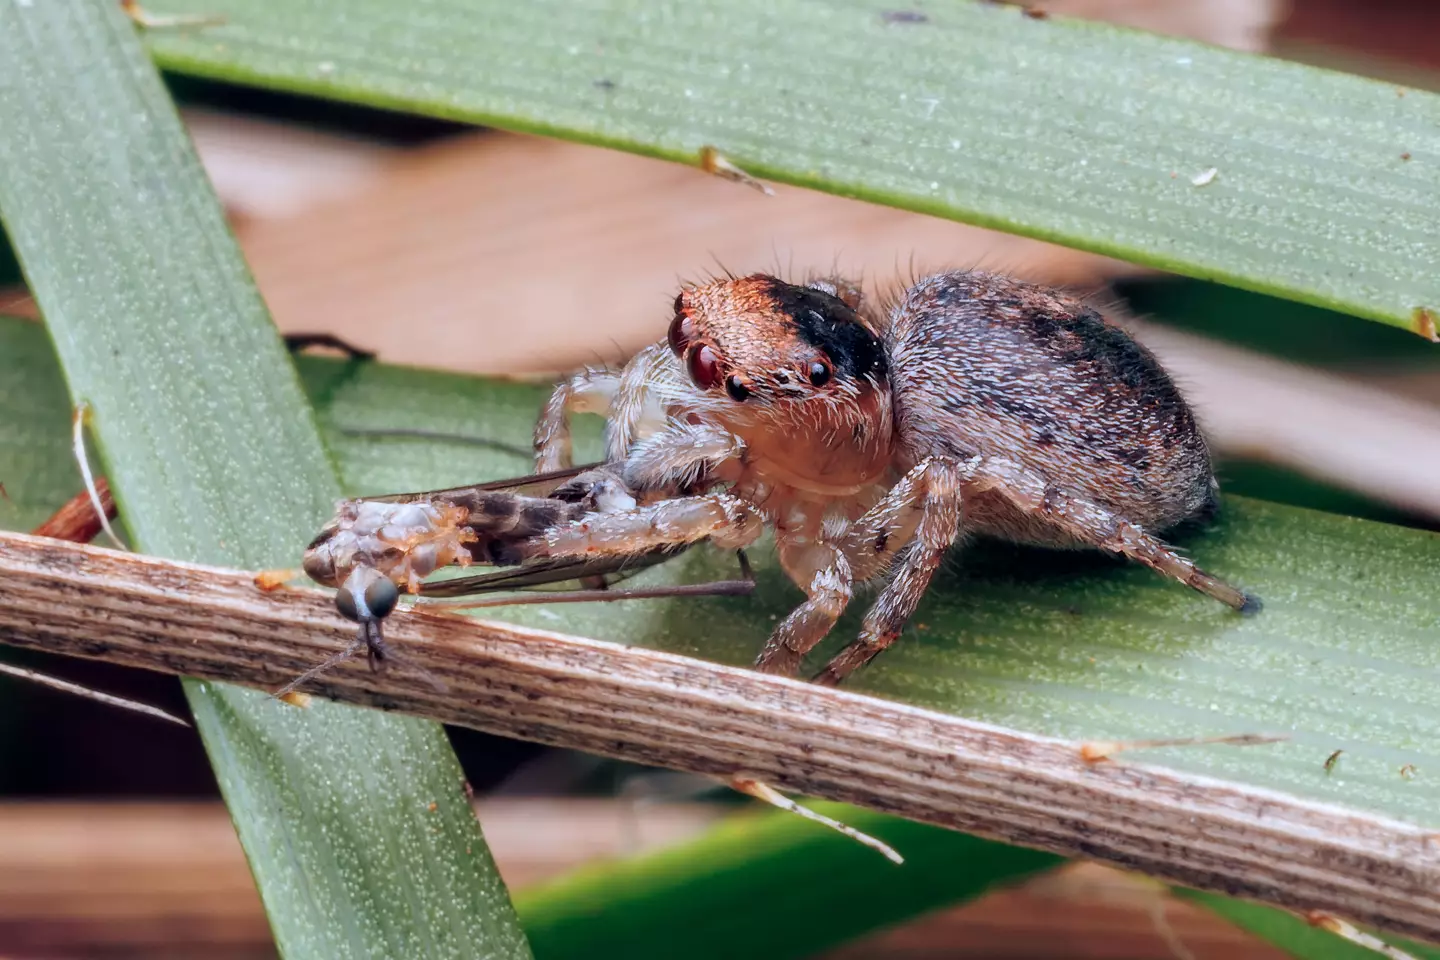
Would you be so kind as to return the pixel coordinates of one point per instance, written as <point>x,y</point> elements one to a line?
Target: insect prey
<point>375,548</point>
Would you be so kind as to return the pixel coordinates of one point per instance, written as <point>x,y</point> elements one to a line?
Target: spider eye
<point>381,597</point>
<point>704,367</point>
<point>681,329</point>
<point>737,390</point>
<point>819,373</point>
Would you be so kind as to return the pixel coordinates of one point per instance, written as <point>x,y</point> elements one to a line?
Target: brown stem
<point>670,711</point>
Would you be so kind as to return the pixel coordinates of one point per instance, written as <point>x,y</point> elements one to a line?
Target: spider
<point>872,441</point>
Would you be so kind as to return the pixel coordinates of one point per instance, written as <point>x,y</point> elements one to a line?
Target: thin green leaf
<point>355,823</point>
<point>1292,934</point>
<point>1069,644</point>
<point>1092,136</point>
<point>771,886</point>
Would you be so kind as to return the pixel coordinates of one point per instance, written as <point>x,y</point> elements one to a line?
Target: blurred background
<point>487,252</point>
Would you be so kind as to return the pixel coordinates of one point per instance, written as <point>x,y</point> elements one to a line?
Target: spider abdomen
<point>983,364</point>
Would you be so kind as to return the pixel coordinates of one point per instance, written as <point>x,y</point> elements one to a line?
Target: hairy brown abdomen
<point>983,364</point>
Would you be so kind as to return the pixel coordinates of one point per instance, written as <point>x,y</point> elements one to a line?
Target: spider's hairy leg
<point>923,512</point>
<point>590,391</point>
<point>1100,527</point>
<point>680,456</point>
<point>634,393</point>
<point>730,522</point>
<point>827,593</point>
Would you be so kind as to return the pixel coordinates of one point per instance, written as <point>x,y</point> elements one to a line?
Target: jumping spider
<point>871,442</point>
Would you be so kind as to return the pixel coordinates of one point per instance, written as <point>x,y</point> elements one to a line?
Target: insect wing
<point>534,485</point>
<point>546,571</point>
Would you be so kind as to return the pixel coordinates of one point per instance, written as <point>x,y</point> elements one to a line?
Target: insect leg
<point>934,488</point>
<point>1097,525</point>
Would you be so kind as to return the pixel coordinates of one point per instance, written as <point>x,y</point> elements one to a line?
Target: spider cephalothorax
<point>794,372</point>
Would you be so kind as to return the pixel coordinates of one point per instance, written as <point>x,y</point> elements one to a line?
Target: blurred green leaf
<point>1292,934</point>
<point>1294,331</point>
<point>355,824</point>
<point>1076,132</point>
<point>770,886</point>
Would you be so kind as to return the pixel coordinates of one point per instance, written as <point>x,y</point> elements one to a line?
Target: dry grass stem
<point>671,711</point>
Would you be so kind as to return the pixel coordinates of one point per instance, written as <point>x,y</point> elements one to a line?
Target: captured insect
<point>870,440</point>
<point>376,547</point>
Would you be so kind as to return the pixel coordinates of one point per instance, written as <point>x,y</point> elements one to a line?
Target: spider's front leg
<point>828,590</point>
<point>922,513</point>
<point>923,506</point>
<point>677,457</point>
<point>622,398</point>
<point>730,522</point>
<point>589,391</point>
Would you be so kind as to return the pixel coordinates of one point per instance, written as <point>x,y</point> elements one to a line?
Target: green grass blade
<point>1292,934</point>
<point>355,823</point>
<point>1069,131</point>
<point>1067,644</point>
<point>771,886</point>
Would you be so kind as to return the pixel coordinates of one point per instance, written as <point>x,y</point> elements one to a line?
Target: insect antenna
<point>334,660</point>
<point>377,652</point>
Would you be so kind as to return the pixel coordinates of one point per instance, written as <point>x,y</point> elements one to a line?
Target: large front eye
<point>381,597</point>
<point>704,367</point>
<point>681,330</point>
<point>819,373</point>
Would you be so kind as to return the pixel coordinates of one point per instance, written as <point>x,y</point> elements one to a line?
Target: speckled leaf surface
<point>1345,656</point>
<point>1326,187</point>
<point>355,823</point>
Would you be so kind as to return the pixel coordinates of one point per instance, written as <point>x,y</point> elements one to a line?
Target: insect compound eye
<point>345,603</point>
<point>381,597</point>
<point>704,367</point>
<point>737,389</point>
<point>819,373</point>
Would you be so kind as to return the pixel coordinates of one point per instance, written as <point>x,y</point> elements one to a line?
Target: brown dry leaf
<point>499,253</point>
<point>1242,24</point>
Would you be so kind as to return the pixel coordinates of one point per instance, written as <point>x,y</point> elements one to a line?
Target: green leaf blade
<point>1074,132</point>
<point>214,456</point>
<point>772,886</point>
<point>1293,934</point>
<point>1068,644</point>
